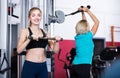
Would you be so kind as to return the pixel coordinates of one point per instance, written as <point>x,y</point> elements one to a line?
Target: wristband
<point>30,37</point>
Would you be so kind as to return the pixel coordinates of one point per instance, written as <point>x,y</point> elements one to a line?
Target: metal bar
<point>10,35</point>
<point>112,35</point>
<point>116,26</point>
<point>18,67</point>
<point>116,30</point>
<point>3,24</point>
<point>3,29</point>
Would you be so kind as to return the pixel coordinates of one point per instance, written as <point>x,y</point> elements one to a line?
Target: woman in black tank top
<point>35,59</point>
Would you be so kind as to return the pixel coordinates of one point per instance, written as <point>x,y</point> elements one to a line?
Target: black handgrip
<point>48,38</point>
<point>88,6</point>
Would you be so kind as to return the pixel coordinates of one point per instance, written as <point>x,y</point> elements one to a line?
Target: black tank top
<point>41,43</point>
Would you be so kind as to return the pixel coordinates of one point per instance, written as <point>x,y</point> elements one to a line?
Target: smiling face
<point>35,16</point>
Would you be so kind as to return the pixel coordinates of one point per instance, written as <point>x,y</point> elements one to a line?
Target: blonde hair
<point>81,27</point>
<point>31,10</point>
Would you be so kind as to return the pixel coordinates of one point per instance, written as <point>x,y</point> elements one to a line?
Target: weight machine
<point>66,66</point>
<point>107,56</point>
<point>4,59</point>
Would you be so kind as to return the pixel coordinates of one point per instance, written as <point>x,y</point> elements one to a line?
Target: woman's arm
<point>54,44</point>
<point>82,12</point>
<point>94,18</point>
<point>23,41</point>
<point>83,16</point>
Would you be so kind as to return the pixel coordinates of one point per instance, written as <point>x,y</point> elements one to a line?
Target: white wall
<point>107,11</point>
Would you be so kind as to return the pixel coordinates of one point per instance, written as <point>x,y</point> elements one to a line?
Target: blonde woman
<point>35,60</point>
<point>84,45</point>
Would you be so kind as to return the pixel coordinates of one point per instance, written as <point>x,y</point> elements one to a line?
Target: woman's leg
<point>28,70</point>
<point>80,71</point>
<point>43,72</point>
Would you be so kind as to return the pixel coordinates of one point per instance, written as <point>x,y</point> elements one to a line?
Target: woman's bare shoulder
<point>24,31</point>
